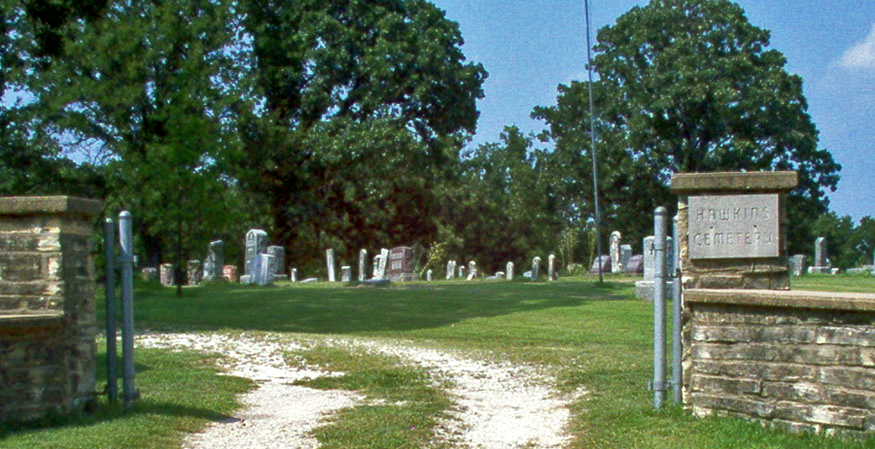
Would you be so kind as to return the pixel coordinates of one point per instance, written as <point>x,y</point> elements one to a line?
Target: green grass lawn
<point>597,337</point>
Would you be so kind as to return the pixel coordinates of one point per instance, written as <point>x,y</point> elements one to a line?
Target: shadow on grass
<point>337,308</point>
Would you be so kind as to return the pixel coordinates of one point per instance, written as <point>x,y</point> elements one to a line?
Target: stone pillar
<point>329,258</point>
<point>363,264</point>
<point>472,270</point>
<point>47,306</point>
<point>428,275</point>
<point>732,229</point>
<point>509,270</point>
<point>551,268</point>
<point>384,259</point>
<point>293,276</point>
<point>616,265</point>
<point>536,268</point>
<point>256,243</point>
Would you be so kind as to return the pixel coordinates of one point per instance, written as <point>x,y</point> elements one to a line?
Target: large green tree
<point>691,86</point>
<point>146,85</point>
<point>354,119</point>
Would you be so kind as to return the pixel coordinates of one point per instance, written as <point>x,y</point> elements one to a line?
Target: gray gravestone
<point>346,273</point>
<point>384,261</point>
<point>650,257</point>
<point>472,270</point>
<point>428,275</point>
<point>821,257</point>
<point>509,269</point>
<point>215,261</point>
<point>293,276</point>
<point>536,268</point>
<point>625,255</point>
<point>329,259</point>
<point>604,261</point>
<point>193,272</point>
<point>451,269</point>
<point>635,265</point>
<point>166,274</point>
<point>256,243</point>
<point>363,264</point>
<point>616,265</point>
<point>262,270</point>
<point>797,265</point>
<point>461,272</point>
<point>376,271</point>
<point>279,258</point>
<point>551,268</point>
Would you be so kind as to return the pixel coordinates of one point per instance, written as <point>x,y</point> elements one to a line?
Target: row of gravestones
<point>621,259</point>
<point>822,264</point>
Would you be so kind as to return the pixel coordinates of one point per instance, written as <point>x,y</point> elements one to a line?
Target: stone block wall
<point>744,273</point>
<point>47,311</point>
<point>801,360</point>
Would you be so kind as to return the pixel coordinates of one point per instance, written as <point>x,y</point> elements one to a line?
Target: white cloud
<point>861,55</point>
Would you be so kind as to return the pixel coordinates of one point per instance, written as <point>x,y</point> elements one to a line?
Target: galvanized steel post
<point>659,228</point>
<point>127,260</point>
<point>676,309</point>
<point>111,350</point>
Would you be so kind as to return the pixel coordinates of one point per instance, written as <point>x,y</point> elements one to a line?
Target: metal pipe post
<point>127,260</point>
<point>677,374</point>
<point>111,350</point>
<point>659,227</point>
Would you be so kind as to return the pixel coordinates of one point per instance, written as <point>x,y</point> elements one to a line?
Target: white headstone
<point>346,273</point>
<point>294,275</point>
<point>363,264</point>
<point>375,274</point>
<point>262,270</point>
<point>451,269</point>
<point>384,259</point>
<point>329,258</point>
<point>536,268</point>
<point>509,271</point>
<point>428,275</point>
<point>256,243</point>
<point>472,270</point>
<point>616,265</point>
<point>625,255</point>
<point>551,268</point>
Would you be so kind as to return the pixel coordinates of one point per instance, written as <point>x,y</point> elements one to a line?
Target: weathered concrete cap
<point>62,205</point>
<point>796,299</point>
<point>777,181</point>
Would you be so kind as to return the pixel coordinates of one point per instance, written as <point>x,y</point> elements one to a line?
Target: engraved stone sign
<point>733,226</point>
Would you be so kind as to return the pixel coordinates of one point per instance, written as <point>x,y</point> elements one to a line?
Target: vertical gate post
<point>111,350</point>
<point>127,259</point>
<point>659,243</point>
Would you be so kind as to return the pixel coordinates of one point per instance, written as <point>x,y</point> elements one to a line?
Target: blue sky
<point>531,46</point>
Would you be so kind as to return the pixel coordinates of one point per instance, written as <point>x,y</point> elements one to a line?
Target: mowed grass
<point>180,394</point>
<point>594,337</point>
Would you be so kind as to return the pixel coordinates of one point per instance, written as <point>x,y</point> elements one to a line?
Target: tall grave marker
<point>256,243</point>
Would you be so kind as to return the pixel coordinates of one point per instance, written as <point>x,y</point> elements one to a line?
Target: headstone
<point>635,265</point>
<point>384,261</point>
<point>279,258</point>
<point>472,270</point>
<point>625,255</point>
<point>376,272</point>
<point>262,266</point>
<point>551,268</point>
<point>821,258</point>
<point>428,275</point>
<point>616,265</point>
<point>194,272</point>
<point>650,257</point>
<point>256,243</point>
<point>215,260</point>
<point>310,280</point>
<point>363,264</point>
<point>527,274</point>
<point>797,265</point>
<point>400,266</point>
<point>167,274</point>
<point>346,273</point>
<point>605,262</point>
<point>509,268</point>
<point>461,272</point>
<point>293,276</point>
<point>229,272</point>
<point>329,259</point>
<point>451,269</point>
<point>536,268</point>
<point>149,274</point>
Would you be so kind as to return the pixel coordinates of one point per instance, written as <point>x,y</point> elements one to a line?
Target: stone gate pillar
<point>47,311</point>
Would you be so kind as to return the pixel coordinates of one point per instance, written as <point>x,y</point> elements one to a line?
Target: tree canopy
<point>691,86</point>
